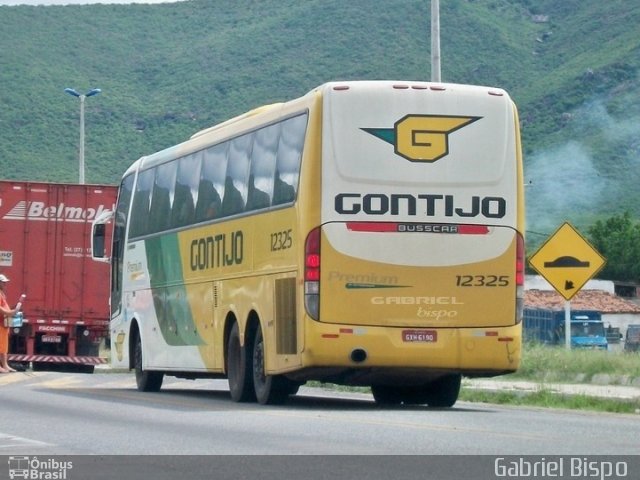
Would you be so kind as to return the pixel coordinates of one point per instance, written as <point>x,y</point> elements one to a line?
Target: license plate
<point>51,339</point>
<point>424,336</point>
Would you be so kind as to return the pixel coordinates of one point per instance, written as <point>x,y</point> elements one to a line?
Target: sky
<point>78,2</point>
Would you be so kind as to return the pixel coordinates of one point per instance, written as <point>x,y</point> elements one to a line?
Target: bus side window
<point>282,191</point>
<point>117,252</point>
<point>237,179</point>
<point>208,206</point>
<point>141,202</point>
<point>183,210</point>
<point>160,211</point>
<point>233,202</point>
<point>289,158</point>
<point>263,165</point>
<point>210,187</point>
<point>256,198</point>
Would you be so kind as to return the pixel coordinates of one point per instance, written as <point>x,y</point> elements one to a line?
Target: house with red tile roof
<point>617,312</point>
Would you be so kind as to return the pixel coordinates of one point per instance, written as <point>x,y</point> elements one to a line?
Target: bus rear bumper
<point>411,352</point>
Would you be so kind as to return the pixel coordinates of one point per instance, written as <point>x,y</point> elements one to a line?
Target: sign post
<point>567,261</point>
<point>567,324</point>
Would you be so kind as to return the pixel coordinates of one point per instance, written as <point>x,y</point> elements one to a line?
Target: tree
<point>618,240</point>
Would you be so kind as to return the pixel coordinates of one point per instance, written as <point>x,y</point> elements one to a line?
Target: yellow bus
<point>369,233</point>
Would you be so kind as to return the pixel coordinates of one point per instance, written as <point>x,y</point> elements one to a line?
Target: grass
<point>548,364</point>
<point>547,399</point>
<point>553,364</point>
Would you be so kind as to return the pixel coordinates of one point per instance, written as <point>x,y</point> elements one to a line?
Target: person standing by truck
<point>6,311</point>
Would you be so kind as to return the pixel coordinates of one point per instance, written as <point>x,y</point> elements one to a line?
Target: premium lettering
<point>415,301</point>
<point>370,279</point>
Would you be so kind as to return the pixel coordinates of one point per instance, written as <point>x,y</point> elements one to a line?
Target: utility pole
<point>435,40</point>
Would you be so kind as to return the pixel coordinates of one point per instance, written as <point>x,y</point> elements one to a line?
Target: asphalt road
<point>103,414</point>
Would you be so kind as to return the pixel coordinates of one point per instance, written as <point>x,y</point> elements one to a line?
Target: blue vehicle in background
<point>547,327</point>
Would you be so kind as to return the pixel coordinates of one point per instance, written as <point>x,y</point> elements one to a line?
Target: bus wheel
<point>146,381</point>
<point>238,368</point>
<point>270,389</point>
<point>444,391</point>
<point>386,395</point>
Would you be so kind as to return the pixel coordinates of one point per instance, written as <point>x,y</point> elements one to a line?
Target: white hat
<point>3,278</point>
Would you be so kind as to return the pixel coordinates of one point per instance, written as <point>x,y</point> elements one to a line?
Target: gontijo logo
<point>422,138</point>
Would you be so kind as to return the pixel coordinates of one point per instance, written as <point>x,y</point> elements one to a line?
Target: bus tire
<point>238,369</point>
<point>146,381</point>
<point>444,391</point>
<point>270,389</point>
<point>441,393</point>
<point>386,395</point>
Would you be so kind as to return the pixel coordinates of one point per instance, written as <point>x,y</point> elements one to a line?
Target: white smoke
<point>564,184</point>
<point>561,183</point>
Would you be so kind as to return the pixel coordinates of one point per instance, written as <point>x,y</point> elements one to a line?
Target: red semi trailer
<point>45,235</point>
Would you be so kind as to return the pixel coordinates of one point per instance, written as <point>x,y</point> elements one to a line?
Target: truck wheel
<point>20,366</point>
<point>146,381</point>
<point>238,368</point>
<point>270,389</point>
<point>39,366</point>
<point>77,368</point>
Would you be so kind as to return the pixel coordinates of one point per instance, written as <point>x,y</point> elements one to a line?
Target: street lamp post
<point>90,93</point>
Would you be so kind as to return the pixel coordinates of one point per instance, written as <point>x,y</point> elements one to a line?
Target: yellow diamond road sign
<point>567,261</point>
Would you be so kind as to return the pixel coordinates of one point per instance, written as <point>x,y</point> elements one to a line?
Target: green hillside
<point>168,70</point>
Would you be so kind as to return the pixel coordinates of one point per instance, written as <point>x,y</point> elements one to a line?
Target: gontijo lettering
<point>217,251</point>
<point>424,204</point>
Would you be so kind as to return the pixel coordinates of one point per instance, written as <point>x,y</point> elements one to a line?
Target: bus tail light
<point>520,259</point>
<point>312,273</point>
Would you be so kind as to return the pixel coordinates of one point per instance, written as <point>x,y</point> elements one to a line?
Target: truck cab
<point>546,326</point>
<point>588,333</point>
